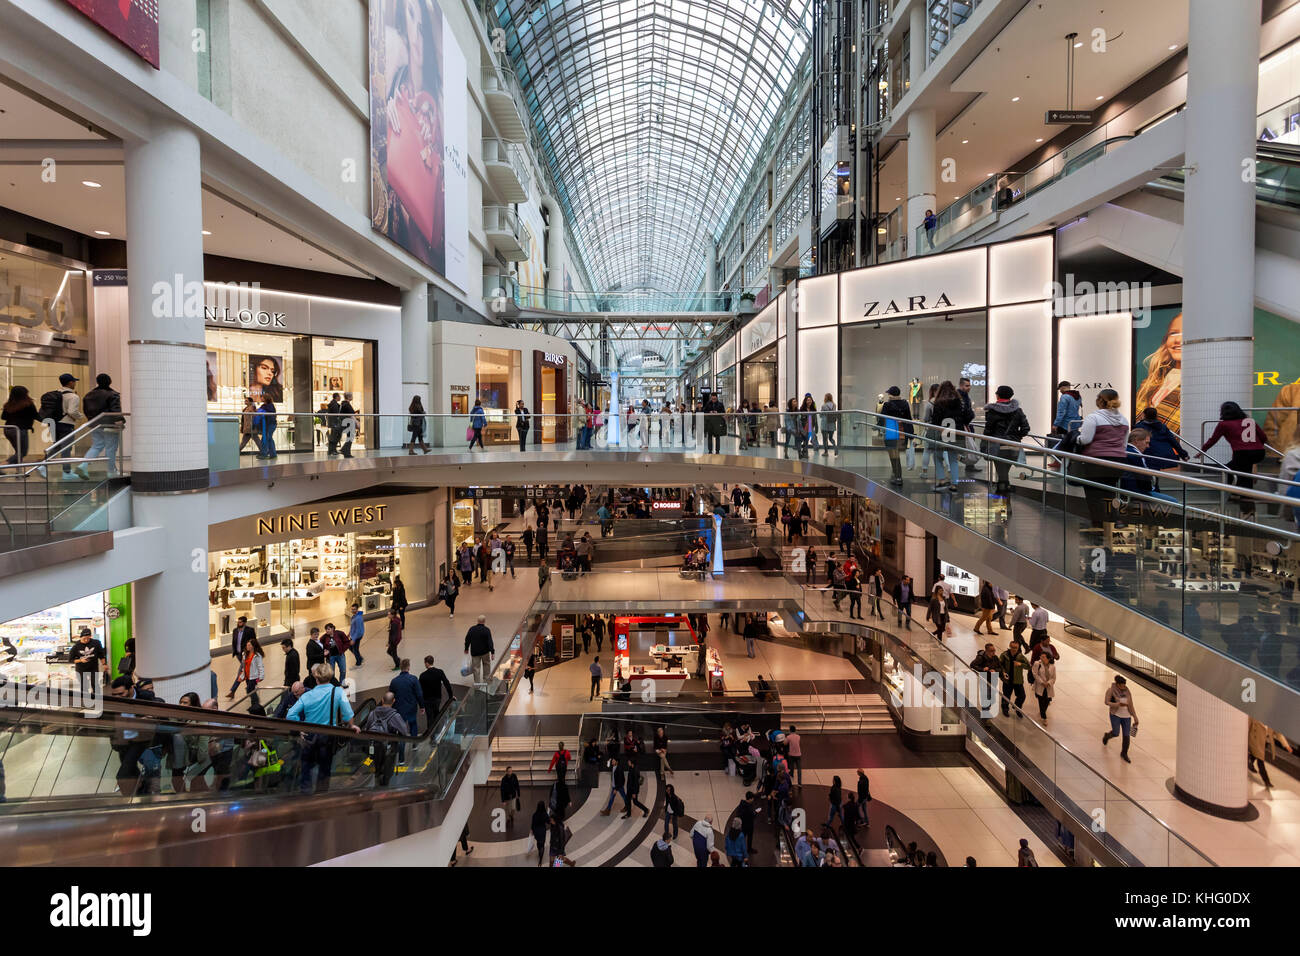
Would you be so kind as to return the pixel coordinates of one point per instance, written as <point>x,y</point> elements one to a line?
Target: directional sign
<point>1069,117</point>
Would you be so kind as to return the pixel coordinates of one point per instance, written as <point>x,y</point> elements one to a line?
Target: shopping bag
<point>911,456</point>
<point>532,844</point>
<point>972,457</point>
<point>467,668</point>
<point>469,433</point>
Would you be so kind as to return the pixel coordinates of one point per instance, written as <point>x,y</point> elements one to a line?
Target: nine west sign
<point>329,520</point>
<point>934,284</point>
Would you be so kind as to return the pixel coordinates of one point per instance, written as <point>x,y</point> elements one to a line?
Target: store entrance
<point>758,378</point>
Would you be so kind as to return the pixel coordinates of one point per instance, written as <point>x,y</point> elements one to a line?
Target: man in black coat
<point>237,637</point>
<point>333,426</point>
<point>292,663</point>
<point>432,683</point>
<point>747,810</point>
<point>315,655</point>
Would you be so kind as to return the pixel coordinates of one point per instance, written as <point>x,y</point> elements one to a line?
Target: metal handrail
<point>958,662</point>
<point>85,428</point>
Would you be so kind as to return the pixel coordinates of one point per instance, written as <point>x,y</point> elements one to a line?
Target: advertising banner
<point>133,22</point>
<point>418,156</point>
<point>1157,373</point>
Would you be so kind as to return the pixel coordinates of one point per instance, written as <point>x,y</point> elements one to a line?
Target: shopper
<point>1165,451</point>
<point>853,585</point>
<point>1246,439</point>
<point>394,638</point>
<point>596,675</point>
<point>538,827</point>
<point>523,422</point>
<point>661,854</point>
<point>292,663</point>
<point>988,607</point>
<point>417,424</point>
<point>1123,715</point>
<point>737,850</point>
<point>846,537</point>
<point>674,810</point>
<point>1069,416</point>
<point>19,417</point>
<point>333,423</point>
<point>252,670</point>
<point>903,594</point>
<point>632,782</point>
<point>618,786</point>
<point>1000,596</point>
<point>348,425</point>
<point>1025,856</point>
<point>1044,671</point>
<point>807,425</point>
<point>829,421</point>
<point>931,224</point>
<point>357,630</point>
<point>1014,667</point>
<point>1004,419</point>
<point>447,592</point>
<point>875,592</point>
<point>1019,617</point>
<point>1104,438</point>
<point>543,574</point>
<point>751,634</point>
<point>660,746</point>
<point>248,429</point>
<point>988,667</point>
<point>88,660</point>
<point>323,704</point>
<point>702,840</point>
<point>927,447</point>
<point>477,422</point>
<point>937,612</point>
<point>947,417</point>
<point>479,647</point>
<point>896,424</point>
<point>1262,742</point>
<point>1037,624</point>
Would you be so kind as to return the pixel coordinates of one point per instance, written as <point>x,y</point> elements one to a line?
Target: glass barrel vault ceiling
<point>650,113</point>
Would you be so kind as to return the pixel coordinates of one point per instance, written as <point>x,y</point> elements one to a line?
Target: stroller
<point>568,565</point>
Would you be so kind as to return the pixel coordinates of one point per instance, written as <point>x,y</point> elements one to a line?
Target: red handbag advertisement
<point>133,22</point>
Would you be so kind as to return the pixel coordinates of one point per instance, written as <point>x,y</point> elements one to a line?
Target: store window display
<point>498,384</point>
<point>35,647</point>
<point>878,355</point>
<point>291,586</point>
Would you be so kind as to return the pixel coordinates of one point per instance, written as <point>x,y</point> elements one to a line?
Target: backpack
<point>52,405</point>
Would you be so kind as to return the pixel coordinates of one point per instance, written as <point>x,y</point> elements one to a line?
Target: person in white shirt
<point>1037,625</point>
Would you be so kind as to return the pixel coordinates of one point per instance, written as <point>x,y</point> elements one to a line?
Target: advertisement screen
<point>418,160</point>
<point>1157,374</point>
<point>134,22</point>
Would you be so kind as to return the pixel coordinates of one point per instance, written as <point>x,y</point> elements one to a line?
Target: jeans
<point>595,687</point>
<point>62,430</point>
<point>482,668</point>
<point>18,438</point>
<point>945,458</point>
<point>714,443</point>
<point>620,792</point>
<point>318,753</point>
<point>523,439</point>
<point>356,650</point>
<point>670,820</point>
<point>339,662</point>
<point>392,653</point>
<point>1008,689</point>
<point>905,615</point>
<point>103,444</point>
<point>478,437</point>
<point>796,769</point>
<point>828,439</point>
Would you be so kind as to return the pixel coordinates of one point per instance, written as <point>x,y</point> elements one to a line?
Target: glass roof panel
<point>650,113</point>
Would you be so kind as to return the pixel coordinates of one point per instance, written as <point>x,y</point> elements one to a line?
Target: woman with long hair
<point>937,613</point>
<point>807,425</point>
<point>19,416</point>
<point>927,450</point>
<point>1246,438</point>
<point>252,669</point>
<point>1162,388</point>
<point>945,416</point>
<point>416,426</point>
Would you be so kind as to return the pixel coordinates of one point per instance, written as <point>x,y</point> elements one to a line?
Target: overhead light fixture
<point>206,233</point>
<point>1078,44</point>
<point>91,184</point>
<point>1015,99</point>
<point>1173,46</point>
<point>101,232</point>
<point>965,141</point>
<point>1039,140</point>
<point>1099,99</point>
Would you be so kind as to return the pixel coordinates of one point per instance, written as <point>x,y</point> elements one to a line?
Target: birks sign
<point>927,286</point>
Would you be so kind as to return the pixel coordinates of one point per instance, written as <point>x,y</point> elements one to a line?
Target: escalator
<point>157,784</point>
<point>1277,177</point>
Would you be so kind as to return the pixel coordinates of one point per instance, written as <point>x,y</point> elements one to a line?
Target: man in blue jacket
<point>356,631</point>
<point>409,696</point>
<point>1068,411</point>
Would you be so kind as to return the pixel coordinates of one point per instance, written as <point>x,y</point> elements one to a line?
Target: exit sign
<point>1069,117</point>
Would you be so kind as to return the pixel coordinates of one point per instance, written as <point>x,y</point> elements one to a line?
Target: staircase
<point>519,754</point>
<point>837,713</point>
<point>29,507</point>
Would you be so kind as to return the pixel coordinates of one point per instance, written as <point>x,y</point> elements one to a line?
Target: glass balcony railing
<point>1179,547</point>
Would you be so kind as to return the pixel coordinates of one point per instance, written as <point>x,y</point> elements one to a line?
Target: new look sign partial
<point>956,282</point>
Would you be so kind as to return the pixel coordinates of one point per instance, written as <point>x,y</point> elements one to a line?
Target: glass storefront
<point>498,384</point>
<point>292,586</point>
<point>933,349</point>
<point>298,373</point>
<point>725,383</point>
<point>471,517</point>
<point>758,378</point>
<point>43,330</point>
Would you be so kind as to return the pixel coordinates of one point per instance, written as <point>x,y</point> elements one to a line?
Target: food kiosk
<point>673,658</point>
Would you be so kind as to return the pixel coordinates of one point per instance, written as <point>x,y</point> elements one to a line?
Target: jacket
<point>1234,433</point>
<point>394,631</point>
<point>633,783</point>
<point>900,599</point>
<point>702,838</point>
<point>103,400</point>
<point>256,668</point>
<point>1165,448</point>
<point>72,413</point>
<point>509,788</point>
<point>1068,413</point>
<point>23,417</point>
<point>323,704</point>
<point>988,600</point>
<point>661,854</point>
<point>477,417</point>
<point>432,683</point>
<point>386,720</point>
<point>1004,420</point>
<point>357,627</point>
<point>410,696</point>
<point>736,845</point>
<point>1013,667</point>
<point>237,638</point>
<point>830,420</point>
<point>478,641</point>
<point>897,408</point>
<point>1104,434</point>
<point>292,667</point>
<point>315,654</point>
<point>937,611</point>
<point>983,663</point>
<point>1045,676</point>
<point>947,414</point>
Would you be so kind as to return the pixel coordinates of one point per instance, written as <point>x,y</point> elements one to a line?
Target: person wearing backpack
<point>1004,418</point>
<point>104,441</point>
<point>62,407</point>
<point>897,433</point>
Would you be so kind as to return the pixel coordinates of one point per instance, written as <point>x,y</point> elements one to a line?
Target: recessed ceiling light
<point>91,184</point>
<point>1099,99</point>
<point>1039,140</point>
<point>898,199</point>
<point>1078,44</point>
<point>101,232</point>
<point>965,141</point>
<point>206,233</point>
<point>1015,99</point>
<point>1173,46</point>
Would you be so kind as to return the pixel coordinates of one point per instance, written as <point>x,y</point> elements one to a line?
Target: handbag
<point>411,165</point>
<point>469,432</point>
<point>911,456</point>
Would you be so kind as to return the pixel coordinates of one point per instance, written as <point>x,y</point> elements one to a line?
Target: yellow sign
<point>335,518</point>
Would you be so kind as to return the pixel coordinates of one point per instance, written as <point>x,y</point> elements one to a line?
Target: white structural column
<point>169,450</point>
<point>555,253</point>
<point>417,348</point>
<point>917,45</point>
<point>1218,323</point>
<point>920,175</point>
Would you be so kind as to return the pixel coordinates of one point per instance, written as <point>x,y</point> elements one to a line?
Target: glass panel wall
<point>931,349</point>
